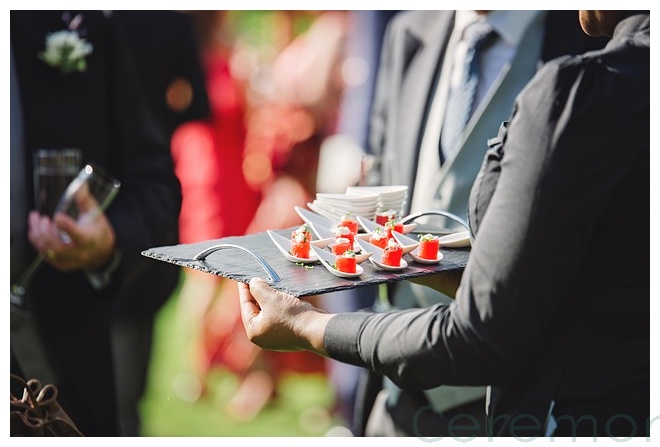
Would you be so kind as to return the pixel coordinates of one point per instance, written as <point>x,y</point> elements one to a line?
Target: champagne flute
<point>92,182</point>
<point>53,170</point>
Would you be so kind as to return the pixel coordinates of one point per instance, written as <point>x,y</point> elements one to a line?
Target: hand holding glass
<point>86,197</point>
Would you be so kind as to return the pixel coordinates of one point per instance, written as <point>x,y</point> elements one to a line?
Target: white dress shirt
<point>510,27</point>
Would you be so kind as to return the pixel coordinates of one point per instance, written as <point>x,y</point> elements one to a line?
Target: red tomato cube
<point>391,225</point>
<point>341,246</point>
<point>392,254</point>
<point>385,216</point>
<point>378,238</point>
<point>345,232</point>
<point>350,222</point>
<point>429,246</point>
<point>300,249</point>
<point>347,262</point>
<point>300,242</point>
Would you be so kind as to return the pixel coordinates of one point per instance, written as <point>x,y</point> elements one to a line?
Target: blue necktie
<point>460,103</point>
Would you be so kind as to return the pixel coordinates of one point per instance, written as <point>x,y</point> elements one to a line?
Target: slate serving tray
<point>295,279</point>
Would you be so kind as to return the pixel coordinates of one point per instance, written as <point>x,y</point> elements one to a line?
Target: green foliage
<point>302,406</point>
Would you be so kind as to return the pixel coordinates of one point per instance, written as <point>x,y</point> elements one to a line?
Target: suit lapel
<point>422,50</point>
<point>458,173</point>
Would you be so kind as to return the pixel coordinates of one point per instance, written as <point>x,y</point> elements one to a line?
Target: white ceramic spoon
<point>456,240</point>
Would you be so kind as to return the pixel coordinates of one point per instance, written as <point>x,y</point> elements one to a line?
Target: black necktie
<point>460,102</point>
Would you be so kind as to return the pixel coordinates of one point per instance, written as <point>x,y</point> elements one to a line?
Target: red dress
<point>220,200</point>
<point>217,200</point>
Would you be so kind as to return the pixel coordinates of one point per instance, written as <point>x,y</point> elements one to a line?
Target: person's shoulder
<point>626,54</point>
<point>588,85</point>
<point>621,69</point>
<point>556,74</point>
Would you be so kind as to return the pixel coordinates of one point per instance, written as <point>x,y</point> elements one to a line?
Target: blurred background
<point>264,109</point>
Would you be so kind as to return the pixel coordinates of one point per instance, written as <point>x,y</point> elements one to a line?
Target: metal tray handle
<point>447,214</point>
<point>272,275</point>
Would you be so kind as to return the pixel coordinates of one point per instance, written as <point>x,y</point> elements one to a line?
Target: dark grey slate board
<point>295,279</point>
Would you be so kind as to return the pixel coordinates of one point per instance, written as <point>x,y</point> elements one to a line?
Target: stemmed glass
<point>53,170</point>
<point>92,182</point>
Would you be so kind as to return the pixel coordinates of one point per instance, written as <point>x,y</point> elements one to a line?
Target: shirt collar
<point>511,25</point>
<point>463,19</point>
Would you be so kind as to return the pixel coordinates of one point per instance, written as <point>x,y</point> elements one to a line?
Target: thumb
<point>259,290</point>
<point>249,306</point>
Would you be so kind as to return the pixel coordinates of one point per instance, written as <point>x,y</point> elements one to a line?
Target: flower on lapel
<point>66,50</point>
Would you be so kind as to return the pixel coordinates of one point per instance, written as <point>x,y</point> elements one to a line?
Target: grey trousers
<point>410,415</point>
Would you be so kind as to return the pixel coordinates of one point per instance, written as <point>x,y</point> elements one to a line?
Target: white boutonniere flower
<point>66,51</point>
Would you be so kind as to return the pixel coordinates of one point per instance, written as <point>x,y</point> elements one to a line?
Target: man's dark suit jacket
<point>99,111</point>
